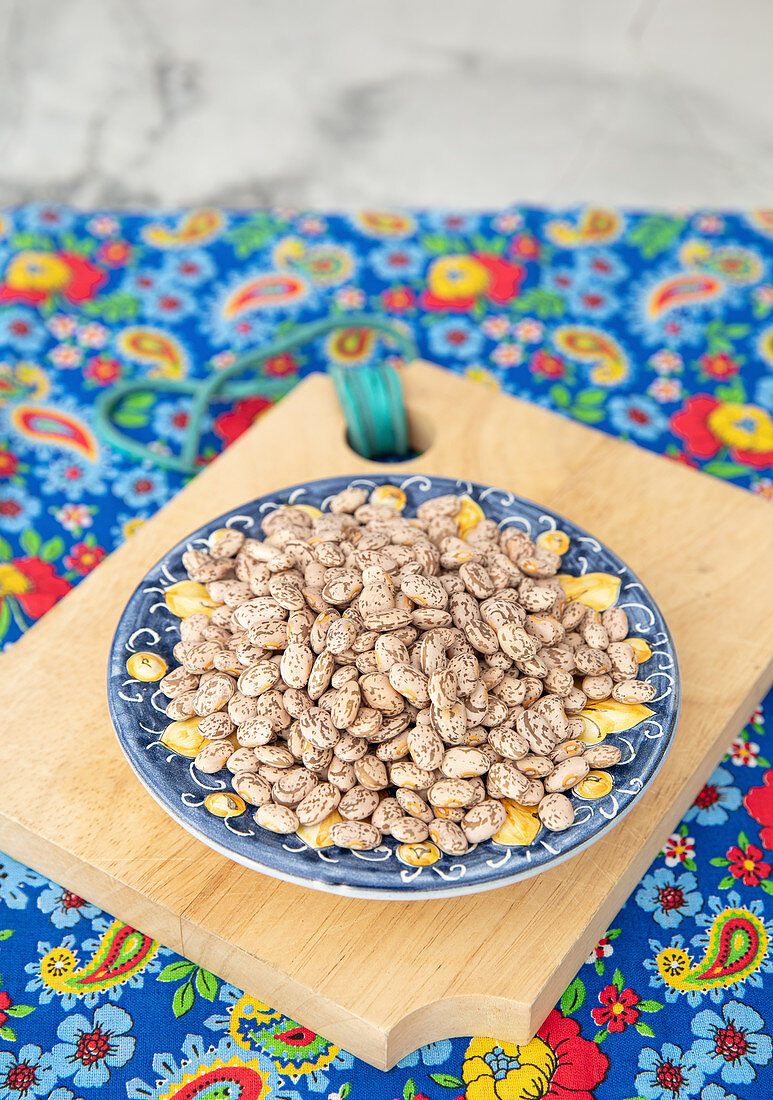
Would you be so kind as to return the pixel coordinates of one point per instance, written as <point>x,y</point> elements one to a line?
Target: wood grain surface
<point>382,978</point>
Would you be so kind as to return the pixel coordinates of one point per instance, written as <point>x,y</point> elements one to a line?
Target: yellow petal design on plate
<point>389,495</point>
<point>318,836</point>
<point>309,509</point>
<point>146,666</point>
<point>418,855</point>
<point>555,541</point>
<point>596,590</point>
<point>187,597</point>
<point>225,804</point>
<point>183,737</point>
<point>596,784</point>
<point>641,649</point>
<point>469,515</point>
<point>522,824</point>
<point>609,716</point>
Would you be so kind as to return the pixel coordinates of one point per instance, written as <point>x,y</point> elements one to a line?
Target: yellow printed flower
<point>37,271</point>
<point>744,426</point>
<point>460,276</point>
<point>506,1071</point>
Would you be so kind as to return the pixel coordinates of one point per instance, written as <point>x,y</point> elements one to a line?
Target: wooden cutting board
<point>382,978</point>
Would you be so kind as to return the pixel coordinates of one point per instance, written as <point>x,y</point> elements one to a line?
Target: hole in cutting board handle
<point>421,436</point>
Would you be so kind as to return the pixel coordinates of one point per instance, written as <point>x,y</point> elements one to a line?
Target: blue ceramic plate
<point>404,872</point>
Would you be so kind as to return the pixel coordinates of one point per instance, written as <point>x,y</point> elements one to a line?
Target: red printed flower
<point>581,1065</point>
<point>707,425</point>
<point>103,369</point>
<point>525,246</point>
<point>558,1064</point>
<point>458,282</point>
<point>719,365</point>
<point>398,298</point>
<point>759,802</point>
<point>279,365</point>
<point>34,277</point>
<point>547,364</point>
<point>230,425</point>
<point>114,253</point>
<point>33,583</point>
<point>9,463</point>
<point>5,1002</point>
<point>83,557</point>
<point>749,865</point>
<point>617,1008</point>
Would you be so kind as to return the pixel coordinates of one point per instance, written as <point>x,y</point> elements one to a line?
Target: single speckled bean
<point>556,812</point>
<point>484,820</point>
<point>448,793</point>
<point>449,837</point>
<point>634,691</point>
<point>603,756</point>
<point>409,830</point>
<point>535,767</point>
<point>252,788</point>
<point>505,780</point>
<point>566,774</point>
<point>412,803</point>
<point>318,804</point>
<point>463,762</point>
<point>359,835</point>
<point>276,819</point>
<point>212,757</point>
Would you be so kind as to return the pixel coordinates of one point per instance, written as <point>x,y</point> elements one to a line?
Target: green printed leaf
<point>5,618</point>
<point>6,933</point>
<point>655,234</point>
<point>184,999</point>
<point>720,861</point>
<point>543,303</point>
<point>409,1089</point>
<point>561,396</point>
<point>763,763</point>
<point>345,1090</point>
<point>618,981</point>
<point>613,933</point>
<point>5,550</point>
<point>600,1036</point>
<point>691,865</point>
<point>726,882</point>
<point>767,886</point>
<point>8,1034</point>
<point>743,840</point>
<point>644,1029</point>
<point>590,397</point>
<point>649,1006</point>
<point>207,984</point>
<point>599,967</point>
<point>446,1080</point>
<point>726,469</point>
<point>19,1010</point>
<point>573,998</point>
<point>52,549</point>
<point>176,971</point>
<point>30,541</point>
<point>590,416</point>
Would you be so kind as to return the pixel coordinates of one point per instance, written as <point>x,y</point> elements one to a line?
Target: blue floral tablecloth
<point>654,327</point>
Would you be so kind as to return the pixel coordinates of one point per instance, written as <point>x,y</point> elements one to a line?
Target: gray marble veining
<point>338,103</point>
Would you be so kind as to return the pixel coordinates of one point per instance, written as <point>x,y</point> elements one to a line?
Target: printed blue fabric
<point>654,327</point>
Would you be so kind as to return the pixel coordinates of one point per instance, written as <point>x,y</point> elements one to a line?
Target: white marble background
<point>349,102</point>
